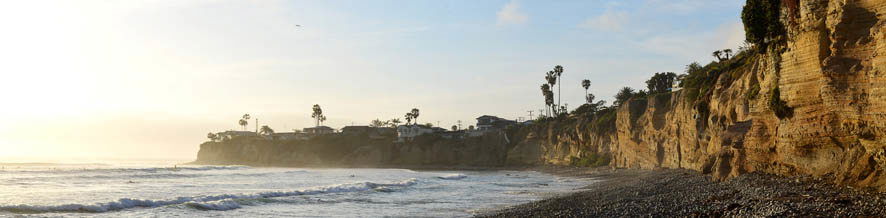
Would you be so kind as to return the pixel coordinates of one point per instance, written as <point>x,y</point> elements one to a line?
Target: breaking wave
<point>454,176</point>
<point>210,202</point>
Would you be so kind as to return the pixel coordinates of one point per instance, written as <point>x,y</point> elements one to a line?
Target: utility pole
<point>530,114</point>
<point>256,125</point>
<point>459,124</point>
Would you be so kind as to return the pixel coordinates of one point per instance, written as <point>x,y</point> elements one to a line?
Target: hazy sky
<point>151,78</point>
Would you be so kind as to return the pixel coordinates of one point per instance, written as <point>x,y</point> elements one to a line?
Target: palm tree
<point>728,53</point>
<point>244,121</point>
<point>559,71</point>
<point>265,130</point>
<point>408,117</point>
<point>454,128</point>
<point>551,77</point>
<point>586,84</point>
<point>623,95</point>
<point>318,115</point>
<point>717,54</point>
<point>545,91</point>
<point>415,114</point>
<point>549,100</point>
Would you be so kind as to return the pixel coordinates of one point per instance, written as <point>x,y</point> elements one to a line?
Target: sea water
<point>164,190</point>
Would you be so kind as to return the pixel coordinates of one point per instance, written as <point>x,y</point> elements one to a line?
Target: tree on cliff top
<point>661,82</point>
<point>318,115</point>
<point>587,84</point>
<point>244,121</point>
<point>394,122</point>
<point>761,21</point>
<point>549,97</point>
<point>414,113</point>
<point>625,94</point>
<point>378,123</point>
<point>558,70</point>
<point>265,130</point>
<point>551,78</point>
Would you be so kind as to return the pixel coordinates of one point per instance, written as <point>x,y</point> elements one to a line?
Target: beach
<point>685,193</point>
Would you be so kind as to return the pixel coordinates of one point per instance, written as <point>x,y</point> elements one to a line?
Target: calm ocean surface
<point>138,190</point>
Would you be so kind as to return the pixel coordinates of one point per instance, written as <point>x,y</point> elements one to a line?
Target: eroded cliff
<point>828,72</point>
<point>339,150</point>
<point>812,103</point>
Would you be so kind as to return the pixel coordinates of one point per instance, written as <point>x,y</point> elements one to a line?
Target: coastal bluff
<point>341,150</point>
<point>813,104</point>
<point>828,75</point>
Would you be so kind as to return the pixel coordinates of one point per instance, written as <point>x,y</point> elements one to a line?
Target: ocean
<point>165,190</point>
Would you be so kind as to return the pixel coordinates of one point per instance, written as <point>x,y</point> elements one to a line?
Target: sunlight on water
<point>115,190</point>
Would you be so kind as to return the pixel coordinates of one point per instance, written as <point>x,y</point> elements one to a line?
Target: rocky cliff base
<point>684,193</point>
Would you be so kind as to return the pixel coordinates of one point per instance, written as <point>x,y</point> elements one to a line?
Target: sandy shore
<point>682,193</point>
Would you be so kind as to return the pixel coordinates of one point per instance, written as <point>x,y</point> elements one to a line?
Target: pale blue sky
<point>150,78</point>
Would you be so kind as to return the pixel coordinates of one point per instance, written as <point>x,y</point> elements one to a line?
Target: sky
<point>149,79</point>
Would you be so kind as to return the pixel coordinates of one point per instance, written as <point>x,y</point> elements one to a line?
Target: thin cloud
<point>511,14</point>
<point>696,46</point>
<point>608,21</point>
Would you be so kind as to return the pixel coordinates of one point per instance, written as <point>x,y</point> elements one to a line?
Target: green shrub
<point>605,121</point>
<point>761,21</point>
<point>754,91</point>
<point>661,82</point>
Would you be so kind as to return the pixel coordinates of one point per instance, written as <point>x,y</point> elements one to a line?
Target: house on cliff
<point>488,122</point>
<point>319,130</point>
<point>409,132</point>
<point>230,134</point>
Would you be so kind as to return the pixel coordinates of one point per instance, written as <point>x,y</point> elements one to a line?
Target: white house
<point>233,134</point>
<point>409,132</point>
<point>319,130</point>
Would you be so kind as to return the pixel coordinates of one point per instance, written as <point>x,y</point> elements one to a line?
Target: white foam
<point>216,205</point>
<point>454,176</point>
<point>212,202</point>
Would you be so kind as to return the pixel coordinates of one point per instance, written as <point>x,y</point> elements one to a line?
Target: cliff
<point>813,102</point>
<point>812,105</point>
<point>358,151</point>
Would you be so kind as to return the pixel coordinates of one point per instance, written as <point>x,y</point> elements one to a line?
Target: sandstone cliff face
<point>830,72</point>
